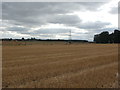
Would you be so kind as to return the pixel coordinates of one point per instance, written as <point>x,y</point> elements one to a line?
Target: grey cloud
<point>93,25</point>
<point>83,37</point>
<point>17,29</point>
<point>0,10</point>
<point>47,33</point>
<point>114,10</point>
<point>34,13</point>
<point>20,30</point>
<point>65,19</point>
<point>100,30</point>
<point>48,7</point>
<point>51,31</point>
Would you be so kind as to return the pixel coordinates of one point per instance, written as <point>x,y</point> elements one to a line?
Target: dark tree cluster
<point>105,37</point>
<point>34,39</point>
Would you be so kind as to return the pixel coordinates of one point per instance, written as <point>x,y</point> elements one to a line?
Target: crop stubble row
<point>60,66</point>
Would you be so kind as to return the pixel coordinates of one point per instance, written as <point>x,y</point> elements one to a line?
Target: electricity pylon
<point>70,38</point>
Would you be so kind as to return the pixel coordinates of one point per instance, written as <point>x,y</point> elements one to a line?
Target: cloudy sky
<point>54,20</point>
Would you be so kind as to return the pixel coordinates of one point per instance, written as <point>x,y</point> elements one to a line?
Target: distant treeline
<point>105,37</point>
<point>34,39</point>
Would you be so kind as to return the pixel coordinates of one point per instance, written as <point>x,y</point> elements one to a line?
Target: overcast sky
<point>54,20</point>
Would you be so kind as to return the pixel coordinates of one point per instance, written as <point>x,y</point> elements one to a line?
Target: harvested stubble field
<point>60,66</point>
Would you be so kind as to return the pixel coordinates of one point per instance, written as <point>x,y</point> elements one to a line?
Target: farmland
<point>58,65</point>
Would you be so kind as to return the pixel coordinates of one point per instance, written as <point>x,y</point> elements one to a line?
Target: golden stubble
<point>60,66</point>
